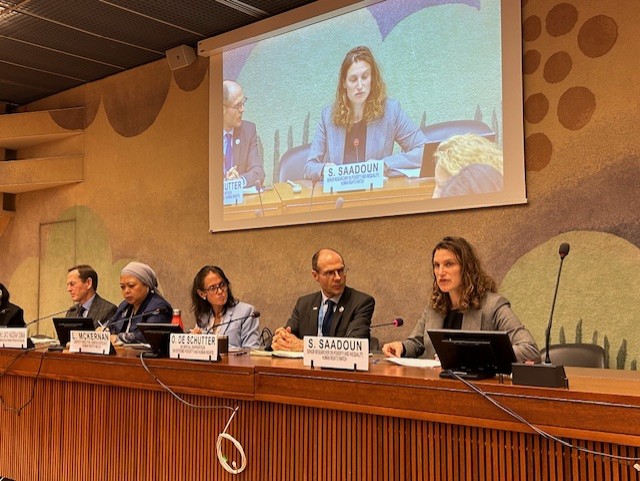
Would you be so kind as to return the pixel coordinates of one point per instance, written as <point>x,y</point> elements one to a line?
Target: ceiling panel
<point>48,46</point>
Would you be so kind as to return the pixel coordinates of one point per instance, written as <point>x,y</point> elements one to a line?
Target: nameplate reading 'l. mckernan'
<point>356,176</point>
<point>336,352</point>
<point>89,342</point>
<point>13,337</point>
<point>196,347</point>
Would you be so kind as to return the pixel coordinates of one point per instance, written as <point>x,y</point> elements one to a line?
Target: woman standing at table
<point>463,297</point>
<point>10,314</point>
<point>139,286</point>
<point>213,305</point>
<point>363,123</point>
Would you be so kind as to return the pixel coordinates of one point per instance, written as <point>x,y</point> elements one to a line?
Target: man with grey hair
<point>240,139</point>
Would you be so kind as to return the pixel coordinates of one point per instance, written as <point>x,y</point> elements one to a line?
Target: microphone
<point>545,374</point>
<point>152,312</point>
<point>563,251</point>
<point>339,203</point>
<point>45,317</point>
<point>254,314</point>
<point>356,142</point>
<point>258,185</point>
<point>397,322</point>
<point>313,188</point>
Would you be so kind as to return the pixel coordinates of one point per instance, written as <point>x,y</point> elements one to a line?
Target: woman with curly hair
<point>463,297</point>
<point>363,123</point>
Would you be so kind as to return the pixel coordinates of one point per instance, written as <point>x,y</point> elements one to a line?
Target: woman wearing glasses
<point>218,312</point>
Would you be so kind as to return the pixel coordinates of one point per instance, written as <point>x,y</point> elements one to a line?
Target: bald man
<point>336,311</point>
<point>240,140</point>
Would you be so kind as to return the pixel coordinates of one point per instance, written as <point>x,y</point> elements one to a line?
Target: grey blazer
<point>100,311</point>
<point>394,126</point>
<point>495,314</point>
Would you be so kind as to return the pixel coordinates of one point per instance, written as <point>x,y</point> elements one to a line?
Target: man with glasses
<point>336,311</point>
<point>240,140</point>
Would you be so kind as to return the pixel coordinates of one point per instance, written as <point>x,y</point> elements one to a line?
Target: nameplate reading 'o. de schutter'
<point>13,337</point>
<point>356,176</point>
<point>336,353</point>
<point>196,347</point>
<point>233,193</point>
<point>89,342</point>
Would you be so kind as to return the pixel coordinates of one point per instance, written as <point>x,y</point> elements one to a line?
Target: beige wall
<point>145,197</point>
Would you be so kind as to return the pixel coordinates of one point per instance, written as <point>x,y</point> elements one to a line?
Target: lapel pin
<point>341,309</point>
<point>237,141</point>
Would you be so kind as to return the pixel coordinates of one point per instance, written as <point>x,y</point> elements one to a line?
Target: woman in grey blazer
<point>463,297</point>
<point>363,124</point>
<point>214,307</point>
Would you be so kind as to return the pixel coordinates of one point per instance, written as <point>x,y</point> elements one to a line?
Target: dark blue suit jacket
<point>153,301</point>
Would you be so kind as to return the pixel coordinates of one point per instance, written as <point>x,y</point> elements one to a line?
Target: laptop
<point>64,326</point>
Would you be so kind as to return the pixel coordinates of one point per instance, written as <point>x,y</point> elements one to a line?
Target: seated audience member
<point>139,286</point>
<point>242,159</point>
<point>10,314</point>
<point>463,297</point>
<point>460,151</point>
<point>363,123</point>
<point>214,306</point>
<point>473,179</point>
<point>337,310</point>
<point>82,286</point>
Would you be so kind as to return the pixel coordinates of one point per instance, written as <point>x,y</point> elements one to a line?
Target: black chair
<point>292,163</point>
<point>577,355</point>
<point>436,133</point>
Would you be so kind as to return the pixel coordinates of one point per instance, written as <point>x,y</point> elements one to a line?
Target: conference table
<point>282,199</point>
<point>107,417</point>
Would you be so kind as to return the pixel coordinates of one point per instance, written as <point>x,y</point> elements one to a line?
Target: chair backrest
<point>577,355</point>
<point>436,133</point>
<point>292,163</point>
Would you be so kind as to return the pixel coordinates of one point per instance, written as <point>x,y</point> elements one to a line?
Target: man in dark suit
<point>241,157</point>
<point>10,314</point>
<point>336,311</point>
<point>82,284</point>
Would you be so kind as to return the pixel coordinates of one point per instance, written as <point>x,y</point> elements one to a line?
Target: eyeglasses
<point>240,105</point>
<point>222,287</point>
<point>335,272</point>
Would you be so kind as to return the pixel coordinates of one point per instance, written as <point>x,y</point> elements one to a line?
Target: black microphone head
<point>398,322</point>
<point>255,314</point>
<point>258,185</point>
<point>564,250</point>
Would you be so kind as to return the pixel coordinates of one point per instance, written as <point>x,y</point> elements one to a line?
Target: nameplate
<point>233,193</point>
<point>13,337</point>
<point>90,342</point>
<point>336,352</point>
<point>357,176</point>
<point>196,347</point>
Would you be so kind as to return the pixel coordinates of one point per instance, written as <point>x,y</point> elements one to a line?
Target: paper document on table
<point>410,362</point>
<point>411,173</point>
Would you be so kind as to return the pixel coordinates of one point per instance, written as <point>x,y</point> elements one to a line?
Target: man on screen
<point>82,284</point>
<point>337,310</point>
<point>240,140</point>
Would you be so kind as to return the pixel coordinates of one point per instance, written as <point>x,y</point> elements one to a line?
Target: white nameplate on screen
<point>89,342</point>
<point>197,347</point>
<point>13,337</point>
<point>336,352</point>
<point>356,176</point>
<point>233,193</point>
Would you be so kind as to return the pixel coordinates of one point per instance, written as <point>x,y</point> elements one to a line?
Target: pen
<point>240,353</point>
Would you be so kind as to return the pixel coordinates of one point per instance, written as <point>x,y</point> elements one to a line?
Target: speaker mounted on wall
<point>180,56</point>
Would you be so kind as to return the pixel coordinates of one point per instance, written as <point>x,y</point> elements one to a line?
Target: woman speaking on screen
<point>363,124</point>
